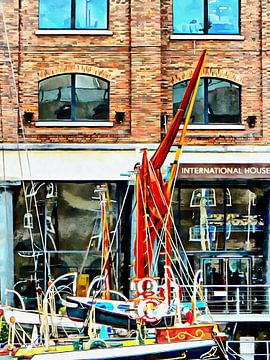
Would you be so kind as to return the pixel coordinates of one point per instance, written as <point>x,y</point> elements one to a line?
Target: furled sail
<point>152,193</point>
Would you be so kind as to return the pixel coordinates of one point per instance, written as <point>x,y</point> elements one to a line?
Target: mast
<point>175,165</point>
<point>105,244</point>
<point>161,153</point>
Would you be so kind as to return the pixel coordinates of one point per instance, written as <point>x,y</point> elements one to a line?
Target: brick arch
<point>210,72</point>
<point>76,68</point>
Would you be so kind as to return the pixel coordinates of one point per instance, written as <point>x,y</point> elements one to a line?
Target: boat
<point>161,305</point>
<point>28,318</point>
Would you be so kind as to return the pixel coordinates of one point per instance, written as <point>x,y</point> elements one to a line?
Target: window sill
<point>207,37</point>
<point>215,127</point>
<point>74,124</point>
<point>74,32</point>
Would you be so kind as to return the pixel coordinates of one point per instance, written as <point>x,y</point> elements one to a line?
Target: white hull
<point>32,317</point>
<point>163,351</point>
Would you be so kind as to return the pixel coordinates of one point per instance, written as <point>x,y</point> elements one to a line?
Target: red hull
<point>178,333</point>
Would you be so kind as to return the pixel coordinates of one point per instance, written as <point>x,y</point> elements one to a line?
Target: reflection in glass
<point>91,14</point>
<point>188,16</point>
<point>206,17</point>
<point>55,98</point>
<point>60,14</point>
<point>217,101</point>
<point>73,97</point>
<point>71,237</point>
<point>54,14</point>
<point>91,97</point>
<point>222,219</point>
<point>223,16</point>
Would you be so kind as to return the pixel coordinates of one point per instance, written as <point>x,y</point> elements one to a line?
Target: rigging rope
<point>10,61</point>
<point>115,231</point>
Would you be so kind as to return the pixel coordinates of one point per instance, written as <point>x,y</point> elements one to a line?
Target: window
<point>206,16</point>
<point>231,219</point>
<point>73,14</point>
<point>65,222</point>
<point>73,97</point>
<point>217,101</point>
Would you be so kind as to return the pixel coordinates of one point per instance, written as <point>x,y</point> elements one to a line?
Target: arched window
<point>217,101</point>
<point>73,14</point>
<point>74,97</point>
<point>206,17</point>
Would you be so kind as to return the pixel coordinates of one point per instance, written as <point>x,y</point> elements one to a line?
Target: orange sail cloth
<point>151,209</point>
<point>140,249</point>
<point>152,195</point>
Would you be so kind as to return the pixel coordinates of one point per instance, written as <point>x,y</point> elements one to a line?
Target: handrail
<point>249,348</point>
<point>237,299</point>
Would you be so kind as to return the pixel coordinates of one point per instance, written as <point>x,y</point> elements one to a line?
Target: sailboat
<point>161,305</point>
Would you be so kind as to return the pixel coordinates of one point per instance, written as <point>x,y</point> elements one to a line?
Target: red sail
<point>151,209</point>
<point>152,196</point>
<point>140,249</point>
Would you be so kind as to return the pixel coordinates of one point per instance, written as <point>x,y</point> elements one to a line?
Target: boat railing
<point>248,349</point>
<point>237,299</point>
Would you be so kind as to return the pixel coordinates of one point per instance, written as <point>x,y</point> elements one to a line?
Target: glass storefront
<point>224,230</point>
<point>58,229</point>
<point>219,220</point>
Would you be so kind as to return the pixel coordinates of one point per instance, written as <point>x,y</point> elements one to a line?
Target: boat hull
<point>192,350</point>
<point>113,318</point>
<point>29,318</point>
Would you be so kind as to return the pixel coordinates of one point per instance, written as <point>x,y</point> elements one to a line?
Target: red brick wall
<point>142,63</point>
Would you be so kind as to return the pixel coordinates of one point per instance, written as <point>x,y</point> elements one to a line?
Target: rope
<point>10,61</point>
<point>116,228</point>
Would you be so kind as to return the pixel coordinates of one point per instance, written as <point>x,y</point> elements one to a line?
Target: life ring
<point>147,287</point>
<point>150,310</point>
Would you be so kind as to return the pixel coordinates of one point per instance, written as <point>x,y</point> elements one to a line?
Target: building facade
<point>86,85</point>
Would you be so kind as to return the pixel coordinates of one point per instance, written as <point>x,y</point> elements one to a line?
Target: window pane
<point>197,116</point>
<point>188,16</point>
<point>201,219</point>
<point>245,220</point>
<point>91,98</point>
<point>55,98</point>
<point>91,14</point>
<point>217,101</point>
<point>223,17</point>
<point>54,14</point>
<point>178,93</point>
<point>223,102</point>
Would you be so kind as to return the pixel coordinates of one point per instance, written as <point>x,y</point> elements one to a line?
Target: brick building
<point>85,85</point>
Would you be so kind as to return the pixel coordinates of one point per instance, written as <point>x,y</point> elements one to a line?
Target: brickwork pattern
<point>142,63</point>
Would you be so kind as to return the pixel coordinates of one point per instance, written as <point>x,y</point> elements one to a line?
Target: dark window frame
<point>73,98</point>
<point>73,20</point>
<point>206,24</point>
<point>206,114</point>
